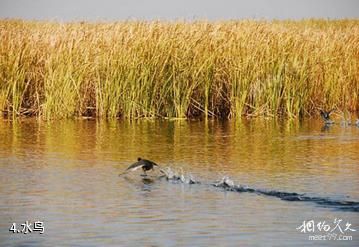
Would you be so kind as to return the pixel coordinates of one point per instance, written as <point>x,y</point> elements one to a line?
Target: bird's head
<point>138,159</point>
<point>325,115</point>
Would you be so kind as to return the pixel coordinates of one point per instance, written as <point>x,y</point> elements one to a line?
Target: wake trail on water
<point>228,185</point>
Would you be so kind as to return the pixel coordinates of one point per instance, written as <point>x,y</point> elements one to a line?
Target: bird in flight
<point>146,165</point>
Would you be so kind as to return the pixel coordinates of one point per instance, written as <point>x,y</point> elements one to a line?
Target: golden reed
<point>178,69</point>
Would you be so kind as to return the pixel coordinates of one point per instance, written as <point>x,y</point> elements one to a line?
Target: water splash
<point>179,176</point>
<point>227,184</point>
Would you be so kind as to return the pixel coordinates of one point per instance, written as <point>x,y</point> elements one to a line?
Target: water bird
<point>146,165</point>
<point>326,117</point>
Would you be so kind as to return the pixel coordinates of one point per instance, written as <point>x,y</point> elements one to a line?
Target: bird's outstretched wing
<point>133,167</point>
<point>140,164</point>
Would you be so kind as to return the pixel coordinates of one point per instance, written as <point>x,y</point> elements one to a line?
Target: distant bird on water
<point>326,117</point>
<point>146,165</point>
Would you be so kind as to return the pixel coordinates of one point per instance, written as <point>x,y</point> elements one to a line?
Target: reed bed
<point>178,69</point>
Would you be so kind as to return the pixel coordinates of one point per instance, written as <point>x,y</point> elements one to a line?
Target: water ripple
<point>229,185</point>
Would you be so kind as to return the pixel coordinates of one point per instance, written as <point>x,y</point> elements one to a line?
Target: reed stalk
<point>134,69</point>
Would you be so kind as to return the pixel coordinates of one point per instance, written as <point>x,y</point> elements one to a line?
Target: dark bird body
<point>146,165</point>
<point>326,117</point>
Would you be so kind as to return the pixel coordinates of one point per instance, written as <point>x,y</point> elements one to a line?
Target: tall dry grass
<point>178,69</point>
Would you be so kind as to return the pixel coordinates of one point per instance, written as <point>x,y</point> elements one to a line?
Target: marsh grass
<point>136,69</point>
